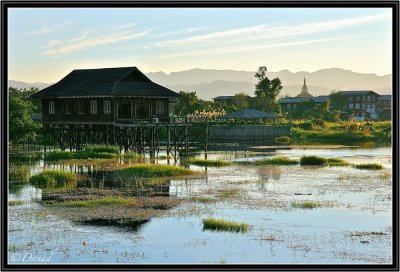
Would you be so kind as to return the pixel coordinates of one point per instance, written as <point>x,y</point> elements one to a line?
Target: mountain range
<point>209,83</point>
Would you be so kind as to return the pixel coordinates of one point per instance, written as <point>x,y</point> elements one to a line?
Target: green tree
<point>267,90</point>
<point>241,101</point>
<point>188,103</point>
<point>21,126</point>
<point>338,101</point>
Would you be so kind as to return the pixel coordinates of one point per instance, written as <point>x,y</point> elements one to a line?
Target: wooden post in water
<point>206,139</point>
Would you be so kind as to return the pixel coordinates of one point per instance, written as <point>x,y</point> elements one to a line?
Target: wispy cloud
<point>84,41</point>
<point>236,49</point>
<point>49,29</point>
<point>269,31</point>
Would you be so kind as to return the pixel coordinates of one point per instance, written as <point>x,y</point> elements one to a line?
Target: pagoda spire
<point>304,91</point>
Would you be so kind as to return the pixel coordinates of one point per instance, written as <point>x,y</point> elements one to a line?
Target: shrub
<point>306,125</point>
<point>313,160</point>
<point>224,225</point>
<point>276,161</point>
<point>318,122</point>
<point>15,202</point>
<point>155,170</point>
<point>337,162</point>
<point>369,166</point>
<point>52,179</point>
<point>306,205</point>
<point>282,140</point>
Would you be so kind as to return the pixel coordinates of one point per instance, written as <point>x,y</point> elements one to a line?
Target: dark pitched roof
<point>227,97</point>
<point>385,97</point>
<point>317,99</point>
<point>357,92</point>
<point>249,114</point>
<point>124,81</point>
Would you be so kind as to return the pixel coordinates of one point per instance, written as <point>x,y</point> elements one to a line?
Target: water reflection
<point>267,173</point>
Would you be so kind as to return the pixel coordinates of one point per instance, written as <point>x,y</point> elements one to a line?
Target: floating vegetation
<point>203,199</point>
<point>102,149</point>
<point>313,160</point>
<point>164,157</point>
<point>369,166</point>
<point>203,162</point>
<point>54,179</point>
<point>277,161</point>
<point>15,203</point>
<point>18,173</point>
<point>282,140</point>
<point>337,162</point>
<point>155,170</point>
<point>99,202</point>
<point>15,248</point>
<point>224,225</point>
<point>306,205</point>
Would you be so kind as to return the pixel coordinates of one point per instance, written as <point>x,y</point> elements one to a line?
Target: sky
<point>45,44</point>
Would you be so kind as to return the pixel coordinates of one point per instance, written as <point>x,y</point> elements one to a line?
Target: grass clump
<point>337,162</point>
<point>53,179</point>
<point>15,203</point>
<point>131,156</point>
<point>369,166</point>
<point>224,225</point>
<point>99,202</point>
<point>203,199</point>
<point>282,140</point>
<point>313,160</point>
<point>81,155</point>
<point>277,161</point>
<point>306,205</point>
<point>227,193</point>
<point>155,171</point>
<point>102,149</point>
<point>203,162</point>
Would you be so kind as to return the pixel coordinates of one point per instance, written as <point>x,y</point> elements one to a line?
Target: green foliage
<point>266,91</point>
<point>15,203</point>
<point>224,225</point>
<point>338,101</point>
<point>188,103</point>
<point>132,156</point>
<point>369,166</point>
<point>21,126</point>
<point>337,162</point>
<point>313,160</point>
<point>277,161</point>
<point>203,162</point>
<point>53,179</point>
<point>307,125</point>
<point>154,170</point>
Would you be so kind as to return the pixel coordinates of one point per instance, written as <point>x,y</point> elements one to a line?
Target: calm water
<point>356,203</point>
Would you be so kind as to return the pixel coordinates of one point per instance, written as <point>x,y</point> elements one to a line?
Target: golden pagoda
<point>304,91</point>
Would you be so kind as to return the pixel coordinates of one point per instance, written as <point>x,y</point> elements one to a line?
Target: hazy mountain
<point>210,83</point>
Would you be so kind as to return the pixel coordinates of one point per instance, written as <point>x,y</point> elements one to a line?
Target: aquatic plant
<point>313,160</point>
<point>132,156</point>
<point>54,179</point>
<point>224,225</point>
<point>102,149</point>
<point>155,170</point>
<point>98,202</point>
<point>202,199</point>
<point>337,162</point>
<point>306,205</point>
<point>369,166</point>
<point>226,193</point>
<point>82,154</point>
<point>276,161</point>
<point>203,162</point>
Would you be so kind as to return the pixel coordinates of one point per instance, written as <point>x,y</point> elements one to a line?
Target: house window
<point>350,106</point>
<point>93,106</point>
<point>67,107</point>
<point>160,106</point>
<point>357,98</point>
<point>52,109</point>
<point>357,106</point>
<point>294,106</point>
<point>289,106</point>
<point>368,98</point>
<point>363,106</point>
<point>351,98</point>
<point>79,107</point>
<point>107,107</point>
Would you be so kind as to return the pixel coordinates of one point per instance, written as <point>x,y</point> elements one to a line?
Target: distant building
<point>304,91</point>
<point>227,99</point>
<point>361,104</point>
<point>289,104</point>
<point>384,107</point>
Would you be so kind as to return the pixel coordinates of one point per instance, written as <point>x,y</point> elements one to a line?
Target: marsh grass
<point>228,193</point>
<point>313,160</point>
<point>203,199</point>
<point>155,170</point>
<point>369,166</point>
<point>102,149</point>
<point>54,179</point>
<point>203,162</point>
<point>306,205</point>
<point>98,202</point>
<point>132,156</point>
<point>337,162</point>
<point>224,225</point>
<point>80,155</point>
<point>18,173</point>
<point>15,248</point>
<point>15,203</point>
<point>277,161</point>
